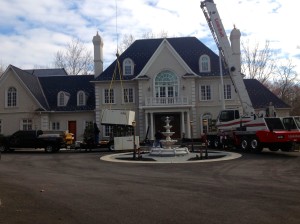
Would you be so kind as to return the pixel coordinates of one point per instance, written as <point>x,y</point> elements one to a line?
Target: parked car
<point>32,139</point>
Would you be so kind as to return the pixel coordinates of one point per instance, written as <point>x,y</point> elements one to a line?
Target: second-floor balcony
<point>163,101</point>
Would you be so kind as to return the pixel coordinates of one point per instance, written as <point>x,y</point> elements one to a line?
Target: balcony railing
<point>162,101</point>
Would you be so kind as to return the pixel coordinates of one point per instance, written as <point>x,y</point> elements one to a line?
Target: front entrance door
<point>175,123</point>
<point>72,128</point>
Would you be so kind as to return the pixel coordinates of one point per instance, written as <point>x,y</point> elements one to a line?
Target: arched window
<point>81,100</point>
<point>128,67</point>
<point>204,63</point>
<point>166,84</point>
<point>12,97</point>
<point>62,98</point>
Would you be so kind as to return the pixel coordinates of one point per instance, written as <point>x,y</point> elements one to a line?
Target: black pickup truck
<point>31,139</point>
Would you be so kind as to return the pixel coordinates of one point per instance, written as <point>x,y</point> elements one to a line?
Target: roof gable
<point>164,44</point>
<point>31,83</point>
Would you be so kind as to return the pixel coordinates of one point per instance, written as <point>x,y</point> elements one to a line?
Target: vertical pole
<point>192,141</point>
<point>134,145</point>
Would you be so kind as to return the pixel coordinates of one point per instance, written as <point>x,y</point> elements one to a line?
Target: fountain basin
<point>177,151</point>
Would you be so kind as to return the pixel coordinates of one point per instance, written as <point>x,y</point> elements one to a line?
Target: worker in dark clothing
<point>96,134</point>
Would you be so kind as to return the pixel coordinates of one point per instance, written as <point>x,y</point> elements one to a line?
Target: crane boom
<point>229,53</point>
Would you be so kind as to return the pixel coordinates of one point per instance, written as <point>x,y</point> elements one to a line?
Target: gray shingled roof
<point>45,84</point>
<point>70,84</point>
<point>47,72</point>
<point>261,96</point>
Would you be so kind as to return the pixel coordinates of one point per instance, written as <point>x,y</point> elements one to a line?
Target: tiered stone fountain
<point>168,143</point>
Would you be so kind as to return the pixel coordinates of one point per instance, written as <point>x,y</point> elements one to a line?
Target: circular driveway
<point>73,187</point>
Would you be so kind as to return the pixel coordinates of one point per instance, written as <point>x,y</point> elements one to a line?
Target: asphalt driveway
<point>72,187</point>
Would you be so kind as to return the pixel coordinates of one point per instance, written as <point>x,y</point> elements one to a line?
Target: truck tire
<point>287,148</point>
<point>216,143</point>
<point>244,144</point>
<point>2,148</point>
<point>111,147</point>
<point>56,149</point>
<point>49,148</point>
<point>273,148</point>
<point>255,145</point>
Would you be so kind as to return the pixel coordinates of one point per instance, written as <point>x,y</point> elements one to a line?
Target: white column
<point>201,124</point>
<point>152,126</point>
<point>146,123</point>
<point>182,124</point>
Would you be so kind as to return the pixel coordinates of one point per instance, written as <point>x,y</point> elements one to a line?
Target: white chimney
<point>235,37</point>
<point>98,55</point>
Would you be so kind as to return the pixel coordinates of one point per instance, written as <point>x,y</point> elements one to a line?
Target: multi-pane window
<point>204,63</point>
<point>109,96</point>
<point>205,92</point>
<point>128,66</point>
<point>12,97</point>
<point>166,84</point>
<point>128,95</point>
<point>81,98</point>
<point>61,99</point>
<point>108,131</point>
<point>89,124</point>
<point>26,124</point>
<point>55,126</point>
<point>227,92</point>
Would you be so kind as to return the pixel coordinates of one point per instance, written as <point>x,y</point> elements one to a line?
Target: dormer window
<point>81,98</point>
<point>204,63</point>
<point>128,67</point>
<point>62,98</point>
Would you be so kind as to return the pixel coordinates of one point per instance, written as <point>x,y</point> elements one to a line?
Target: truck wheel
<point>273,148</point>
<point>244,144</point>
<point>49,148</point>
<point>209,143</point>
<point>111,147</point>
<point>2,148</point>
<point>216,143</point>
<point>56,149</point>
<point>287,148</point>
<point>255,145</point>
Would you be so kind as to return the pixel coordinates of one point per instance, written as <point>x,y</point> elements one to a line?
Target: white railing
<point>162,101</point>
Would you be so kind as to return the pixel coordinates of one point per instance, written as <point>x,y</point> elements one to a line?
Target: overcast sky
<point>32,31</point>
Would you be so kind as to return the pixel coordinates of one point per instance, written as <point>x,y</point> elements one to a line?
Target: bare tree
<point>295,102</point>
<point>127,40</point>
<point>258,63</point>
<point>2,68</point>
<point>75,58</point>
<point>285,81</point>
